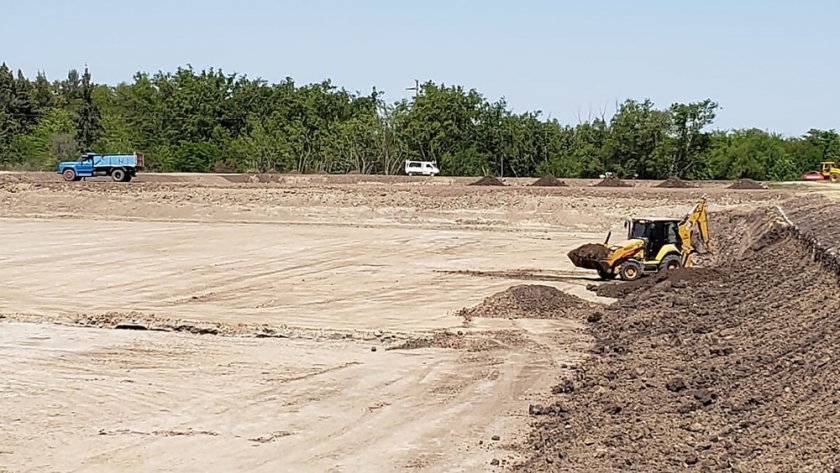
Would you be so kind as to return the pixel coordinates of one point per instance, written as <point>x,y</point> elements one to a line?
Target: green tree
<point>89,126</point>
<point>209,120</point>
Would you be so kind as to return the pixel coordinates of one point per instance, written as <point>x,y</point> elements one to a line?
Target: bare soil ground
<point>727,368</point>
<point>301,323</point>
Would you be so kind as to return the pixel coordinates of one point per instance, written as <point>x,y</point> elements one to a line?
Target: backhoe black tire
<point>834,177</point>
<point>605,275</point>
<point>670,262</point>
<point>630,271</point>
<point>69,175</point>
<point>118,175</point>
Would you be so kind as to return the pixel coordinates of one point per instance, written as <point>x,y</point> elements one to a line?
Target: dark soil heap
<point>549,181</point>
<point>747,184</point>
<point>487,181</point>
<point>589,251</point>
<point>528,302</point>
<point>613,181</point>
<point>732,371</point>
<point>674,182</point>
<point>677,278</point>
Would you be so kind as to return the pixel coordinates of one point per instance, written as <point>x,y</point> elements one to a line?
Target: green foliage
<point>88,121</point>
<point>209,121</point>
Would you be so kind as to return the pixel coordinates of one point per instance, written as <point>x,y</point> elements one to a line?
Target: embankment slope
<point>734,371</point>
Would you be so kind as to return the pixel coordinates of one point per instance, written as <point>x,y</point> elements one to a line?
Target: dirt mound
<point>549,181</point>
<point>613,181</point>
<point>487,181</point>
<point>528,302</point>
<point>461,341</point>
<point>736,368</point>
<point>747,184</point>
<point>589,251</point>
<point>678,279</point>
<point>674,182</point>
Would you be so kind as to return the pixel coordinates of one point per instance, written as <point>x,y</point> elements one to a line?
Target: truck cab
<point>120,167</point>
<point>423,168</point>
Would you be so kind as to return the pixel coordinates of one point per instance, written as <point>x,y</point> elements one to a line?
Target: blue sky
<point>771,64</point>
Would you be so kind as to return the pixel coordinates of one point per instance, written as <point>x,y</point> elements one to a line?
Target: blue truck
<point>121,167</point>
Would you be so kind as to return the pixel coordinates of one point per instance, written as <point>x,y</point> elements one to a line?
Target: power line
<point>416,87</point>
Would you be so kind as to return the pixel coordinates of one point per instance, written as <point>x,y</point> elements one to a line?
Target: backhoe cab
<point>652,245</point>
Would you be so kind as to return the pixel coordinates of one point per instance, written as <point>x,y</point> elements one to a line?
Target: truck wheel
<point>69,175</point>
<point>118,175</point>
<point>834,177</point>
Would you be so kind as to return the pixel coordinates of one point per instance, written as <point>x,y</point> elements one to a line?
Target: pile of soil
<point>735,371</point>
<point>528,302</point>
<point>487,181</point>
<point>747,184</point>
<point>589,251</point>
<point>461,341</point>
<point>682,278</point>
<point>613,181</point>
<point>549,181</point>
<point>674,182</point>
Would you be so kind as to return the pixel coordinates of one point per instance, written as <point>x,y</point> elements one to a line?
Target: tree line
<point>210,121</point>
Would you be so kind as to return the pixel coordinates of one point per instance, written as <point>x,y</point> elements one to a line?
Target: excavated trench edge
<point>828,257</point>
<point>824,255</point>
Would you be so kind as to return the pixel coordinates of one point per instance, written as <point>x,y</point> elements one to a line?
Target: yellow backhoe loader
<point>652,245</point>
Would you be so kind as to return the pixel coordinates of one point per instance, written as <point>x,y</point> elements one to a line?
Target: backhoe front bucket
<point>589,256</point>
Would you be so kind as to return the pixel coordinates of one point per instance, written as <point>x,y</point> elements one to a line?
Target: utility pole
<point>416,88</point>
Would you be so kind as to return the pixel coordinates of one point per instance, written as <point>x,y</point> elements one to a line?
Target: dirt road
<point>330,272</point>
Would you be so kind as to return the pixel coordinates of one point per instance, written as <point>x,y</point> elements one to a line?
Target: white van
<point>423,168</point>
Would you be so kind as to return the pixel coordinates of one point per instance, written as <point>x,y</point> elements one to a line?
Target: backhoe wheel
<point>670,262</point>
<point>834,177</point>
<point>118,175</point>
<point>605,275</point>
<point>630,271</point>
<point>69,175</point>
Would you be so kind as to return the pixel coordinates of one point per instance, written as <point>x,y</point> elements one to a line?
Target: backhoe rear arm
<point>699,217</point>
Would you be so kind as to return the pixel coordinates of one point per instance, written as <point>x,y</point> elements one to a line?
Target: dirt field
<point>252,310</point>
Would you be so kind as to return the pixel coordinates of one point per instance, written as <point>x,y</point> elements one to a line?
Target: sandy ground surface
<point>303,276</point>
<point>108,400</point>
<point>335,270</point>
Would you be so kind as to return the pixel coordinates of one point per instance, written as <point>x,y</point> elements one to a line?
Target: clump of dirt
<point>747,184</point>
<point>674,182</point>
<point>549,181</point>
<point>613,181</point>
<point>487,181</point>
<point>737,370</point>
<point>463,341</point>
<point>528,302</point>
<point>680,278</point>
<point>589,251</point>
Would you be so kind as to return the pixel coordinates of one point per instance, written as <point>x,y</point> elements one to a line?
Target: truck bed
<point>119,160</point>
